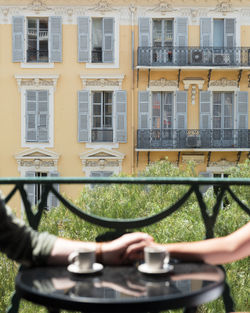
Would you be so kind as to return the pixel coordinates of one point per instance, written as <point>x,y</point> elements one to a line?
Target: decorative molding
<point>193,81</point>
<point>163,7</point>
<point>197,158</point>
<point>36,81</point>
<point>102,6</point>
<point>224,7</point>
<point>106,82</point>
<point>163,84</point>
<point>37,160</point>
<point>223,84</point>
<point>37,6</point>
<point>220,166</point>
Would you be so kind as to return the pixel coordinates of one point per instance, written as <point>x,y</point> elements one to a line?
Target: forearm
<point>215,251</point>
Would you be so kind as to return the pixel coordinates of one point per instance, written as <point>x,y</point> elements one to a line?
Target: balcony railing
<point>34,55</point>
<point>193,138</point>
<point>102,135</point>
<point>122,225</point>
<point>193,56</point>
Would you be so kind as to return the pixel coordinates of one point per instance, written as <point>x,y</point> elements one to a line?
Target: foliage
<point>133,201</point>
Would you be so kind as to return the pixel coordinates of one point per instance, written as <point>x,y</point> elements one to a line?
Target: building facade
<point>95,89</point>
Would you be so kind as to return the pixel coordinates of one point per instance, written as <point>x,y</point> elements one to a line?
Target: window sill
<point>96,145</point>
<point>37,65</point>
<point>102,65</point>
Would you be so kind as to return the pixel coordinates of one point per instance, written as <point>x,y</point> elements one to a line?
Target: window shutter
<point>18,39</point>
<point>144,32</point>
<point>108,40</point>
<point>144,114</point>
<point>181,40</point>
<point>55,35</point>
<point>205,110</point>
<point>43,115</point>
<point>242,110</point>
<point>83,39</point>
<point>181,109</point>
<point>121,115</point>
<point>204,188</point>
<point>53,202</point>
<point>83,116</point>
<point>206,32</point>
<point>229,32</point>
<point>31,116</point>
<point>30,188</point>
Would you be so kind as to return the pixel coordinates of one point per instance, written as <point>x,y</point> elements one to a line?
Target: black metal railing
<point>97,55</point>
<point>193,56</point>
<point>101,135</point>
<point>193,138</point>
<point>208,215</point>
<point>34,55</point>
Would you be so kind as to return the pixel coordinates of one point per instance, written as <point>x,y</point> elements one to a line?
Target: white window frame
<point>115,63</point>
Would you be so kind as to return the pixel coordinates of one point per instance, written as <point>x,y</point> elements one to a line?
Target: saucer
<point>73,268</point>
<point>143,268</point>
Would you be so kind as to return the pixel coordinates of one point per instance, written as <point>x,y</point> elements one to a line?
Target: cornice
<point>36,80</point>
<point>163,84</point>
<point>106,82</point>
<point>223,84</point>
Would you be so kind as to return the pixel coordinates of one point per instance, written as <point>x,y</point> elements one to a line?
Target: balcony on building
<point>165,139</point>
<point>193,56</point>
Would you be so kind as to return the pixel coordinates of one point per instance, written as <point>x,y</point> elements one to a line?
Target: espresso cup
<point>83,259</point>
<point>155,257</point>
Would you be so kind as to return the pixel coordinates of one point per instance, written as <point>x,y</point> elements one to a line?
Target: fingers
<point>130,239</point>
<point>134,251</point>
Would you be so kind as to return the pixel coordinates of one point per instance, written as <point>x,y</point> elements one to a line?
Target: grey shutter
<point>242,110</point>
<point>144,115</point>
<point>206,32</point>
<point>42,115</point>
<point>144,32</point>
<point>30,188</point>
<point>83,116</point>
<point>181,40</point>
<point>53,202</point>
<point>229,32</point>
<point>108,40</point>
<point>181,109</point>
<point>205,110</point>
<point>83,39</point>
<point>55,36</point>
<point>204,188</point>
<point>18,39</point>
<point>31,116</point>
<point>121,115</point>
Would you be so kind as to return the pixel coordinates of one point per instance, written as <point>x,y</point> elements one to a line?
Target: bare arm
<point>215,251</point>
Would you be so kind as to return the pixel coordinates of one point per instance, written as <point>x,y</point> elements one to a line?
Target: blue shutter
<point>121,115</point>
<point>42,115</point>
<point>206,32</point>
<point>83,39</point>
<point>53,202</point>
<point>144,32</point>
<point>31,116</point>
<point>242,110</point>
<point>30,188</point>
<point>205,110</point>
<point>181,109</point>
<point>181,40</point>
<point>18,39</point>
<point>83,116</point>
<point>144,110</point>
<point>108,40</point>
<point>55,36</point>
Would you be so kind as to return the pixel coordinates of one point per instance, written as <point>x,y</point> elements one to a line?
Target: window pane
<point>96,109</point>
<point>97,96</point>
<point>108,97</point>
<point>108,109</point>
<point>157,33</point>
<point>97,32</point>
<point>108,122</point>
<point>96,122</point>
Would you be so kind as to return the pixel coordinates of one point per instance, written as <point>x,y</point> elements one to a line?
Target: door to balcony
<point>223,119</point>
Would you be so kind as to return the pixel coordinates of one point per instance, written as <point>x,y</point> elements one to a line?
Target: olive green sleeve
<point>20,242</point>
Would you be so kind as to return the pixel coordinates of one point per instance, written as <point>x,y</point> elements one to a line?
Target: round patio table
<point>121,288</point>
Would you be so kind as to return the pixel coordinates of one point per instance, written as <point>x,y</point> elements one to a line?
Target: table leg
<point>190,310</point>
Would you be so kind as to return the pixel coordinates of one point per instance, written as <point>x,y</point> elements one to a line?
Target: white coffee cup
<point>83,259</point>
<point>156,257</point>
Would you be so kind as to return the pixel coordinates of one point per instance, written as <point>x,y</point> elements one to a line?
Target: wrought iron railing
<point>101,135</point>
<point>193,56</point>
<point>208,215</point>
<point>34,55</point>
<point>193,138</point>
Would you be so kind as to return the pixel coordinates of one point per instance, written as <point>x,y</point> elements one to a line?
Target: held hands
<point>126,249</point>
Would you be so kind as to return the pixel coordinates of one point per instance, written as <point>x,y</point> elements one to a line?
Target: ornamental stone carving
<point>223,82</point>
<point>36,81</point>
<point>102,6</point>
<point>37,6</point>
<point>163,82</point>
<point>224,7</point>
<point>93,82</point>
<point>163,7</point>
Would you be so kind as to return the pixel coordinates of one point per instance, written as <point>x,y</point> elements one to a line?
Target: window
<point>96,40</point>
<point>37,116</point>
<point>34,192</point>
<point>100,174</point>
<point>37,40</point>
<point>38,48</point>
<point>102,116</point>
<point>217,189</point>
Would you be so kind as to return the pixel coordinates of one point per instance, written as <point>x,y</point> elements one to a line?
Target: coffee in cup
<point>155,257</point>
<point>83,259</point>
